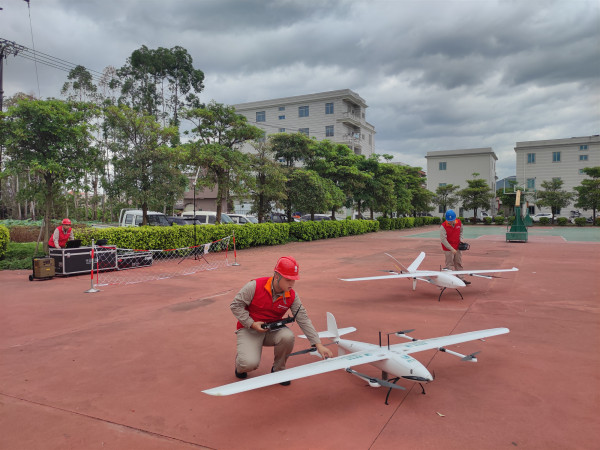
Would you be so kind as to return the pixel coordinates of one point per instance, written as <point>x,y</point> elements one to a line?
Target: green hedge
<point>386,223</point>
<point>248,235</point>
<point>4,239</point>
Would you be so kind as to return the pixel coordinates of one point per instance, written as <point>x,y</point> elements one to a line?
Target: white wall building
<point>339,116</point>
<point>456,166</point>
<point>539,161</point>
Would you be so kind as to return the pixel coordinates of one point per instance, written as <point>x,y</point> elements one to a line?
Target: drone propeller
<point>399,333</point>
<point>311,349</point>
<point>373,380</point>
<point>302,352</point>
<point>470,357</point>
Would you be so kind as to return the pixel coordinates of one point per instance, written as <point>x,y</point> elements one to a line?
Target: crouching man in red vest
<point>267,300</point>
<point>61,235</point>
<point>451,234</point>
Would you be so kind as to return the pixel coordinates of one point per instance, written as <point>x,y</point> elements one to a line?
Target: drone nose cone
<point>459,283</point>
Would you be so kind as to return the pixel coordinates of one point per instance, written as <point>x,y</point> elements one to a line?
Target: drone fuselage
<point>397,363</point>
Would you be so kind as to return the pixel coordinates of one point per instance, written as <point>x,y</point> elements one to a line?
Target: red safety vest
<point>452,234</point>
<point>62,237</point>
<point>263,308</point>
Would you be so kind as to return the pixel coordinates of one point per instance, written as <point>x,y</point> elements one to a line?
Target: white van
<point>206,217</point>
<point>134,217</point>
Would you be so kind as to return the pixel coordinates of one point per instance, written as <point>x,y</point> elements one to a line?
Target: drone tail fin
<point>333,332</point>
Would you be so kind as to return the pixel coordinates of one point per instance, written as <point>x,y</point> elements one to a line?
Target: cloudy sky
<point>436,74</point>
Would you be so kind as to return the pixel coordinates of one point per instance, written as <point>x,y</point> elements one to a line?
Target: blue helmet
<point>450,215</point>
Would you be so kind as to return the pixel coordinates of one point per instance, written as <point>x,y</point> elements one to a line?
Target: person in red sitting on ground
<point>451,234</point>
<point>61,235</point>
<point>265,300</point>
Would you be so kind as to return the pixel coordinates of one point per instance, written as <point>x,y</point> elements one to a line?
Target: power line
<point>50,61</point>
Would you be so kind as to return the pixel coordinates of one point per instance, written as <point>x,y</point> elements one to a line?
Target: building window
<point>442,184</point>
<point>530,158</point>
<point>329,130</point>
<point>282,130</point>
<point>441,209</point>
<point>303,111</point>
<point>303,131</point>
<point>282,108</point>
<point>555,156</point>
<point>328,108</point>
<point>583,157</point>
<point>442,166</point>
<point>282,117</point>
<point>261,116</point>
<point>583,147</point>
<point>530,183</point>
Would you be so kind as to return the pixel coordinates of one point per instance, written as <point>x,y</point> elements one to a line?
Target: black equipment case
<point>70,261</point>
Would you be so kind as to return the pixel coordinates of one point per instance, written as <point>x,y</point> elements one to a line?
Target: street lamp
<point>194,184</point>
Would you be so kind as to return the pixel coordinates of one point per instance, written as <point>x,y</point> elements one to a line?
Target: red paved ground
<point>124,368</point>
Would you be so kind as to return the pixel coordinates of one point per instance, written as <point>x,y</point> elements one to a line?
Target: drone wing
<point>417,274</point>
<point>307,370</point>
<point>474,272</point>
<point>435,343</point>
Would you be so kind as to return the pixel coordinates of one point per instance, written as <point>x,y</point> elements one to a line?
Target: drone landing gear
<point>443,289</point>
<point>393,381</point>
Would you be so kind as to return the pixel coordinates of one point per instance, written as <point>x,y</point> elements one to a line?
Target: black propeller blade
<point>302,352</point>
<point>379,381</point>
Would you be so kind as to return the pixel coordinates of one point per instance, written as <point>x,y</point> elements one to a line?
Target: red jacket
<point>263,308</point>
<point>452,234</point>
<point>62,237</point>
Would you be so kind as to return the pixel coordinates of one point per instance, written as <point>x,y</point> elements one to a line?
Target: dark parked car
<point>306,217</point>
<point>175,220</point>
<point>277,217</point>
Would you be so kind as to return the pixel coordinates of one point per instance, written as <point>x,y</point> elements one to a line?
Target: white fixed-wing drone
<point>395,360</point>
<point>443,278</point>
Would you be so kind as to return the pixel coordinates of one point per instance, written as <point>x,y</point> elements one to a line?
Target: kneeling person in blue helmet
<point>451,234</point>
<point>265,300</point>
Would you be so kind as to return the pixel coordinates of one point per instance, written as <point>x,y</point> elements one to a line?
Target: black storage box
<point>133,260</point>
<point>70,261</point>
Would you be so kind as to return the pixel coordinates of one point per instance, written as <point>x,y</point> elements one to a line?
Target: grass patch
<point>19,254</point>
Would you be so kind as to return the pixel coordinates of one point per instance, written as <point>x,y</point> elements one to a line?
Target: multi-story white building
<point>339,116</point>
<point>456,166</point>
<point>539,161</point>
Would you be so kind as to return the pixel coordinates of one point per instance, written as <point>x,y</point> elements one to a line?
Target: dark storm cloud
<point>435,74</point>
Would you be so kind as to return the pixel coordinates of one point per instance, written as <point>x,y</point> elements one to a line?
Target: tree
<point>338,163</point>
<point>50,138</point>
<point>551,195</point>
<point>146,169</point>
<point>415,182</point>
<point>219,132</point>
<point>477,195</point>
<point>312,193</point>
<point>445,196</point>
<point>269,180</point>
<point>588,193</point>
<point>81,87</point>
<point>160,82</point>
<point>291,148</point>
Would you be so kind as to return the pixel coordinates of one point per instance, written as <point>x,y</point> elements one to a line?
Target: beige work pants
<point>250,343</point>
<point>453,262</point>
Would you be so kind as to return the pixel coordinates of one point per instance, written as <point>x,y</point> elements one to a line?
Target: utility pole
<point>6,48</point>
